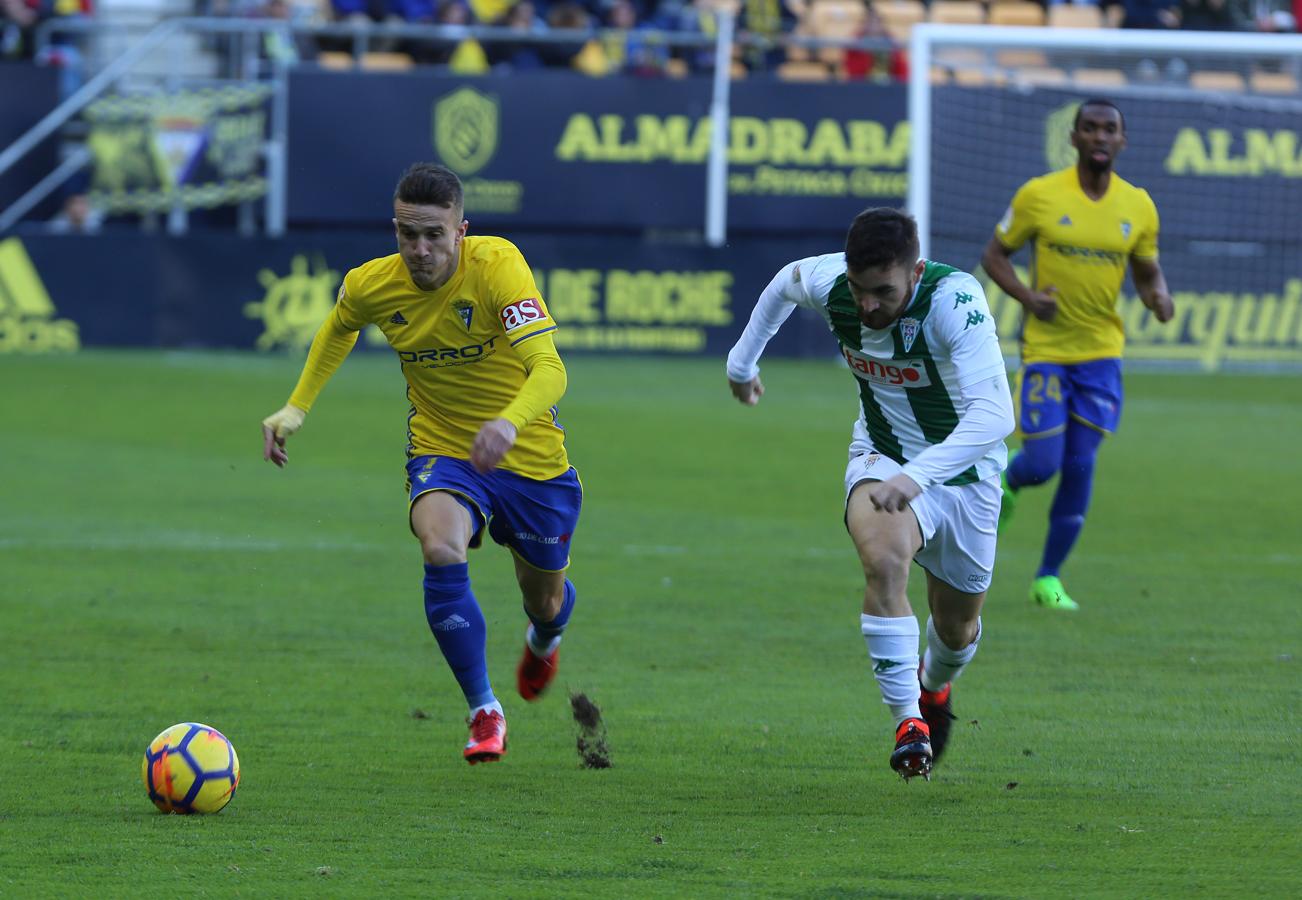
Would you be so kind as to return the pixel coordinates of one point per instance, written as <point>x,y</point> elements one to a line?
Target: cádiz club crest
<point>466,130</point>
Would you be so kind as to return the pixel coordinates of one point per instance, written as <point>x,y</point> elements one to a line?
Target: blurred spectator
<point>17,19</point>
<point>490,11</point>
<point>566,16</point>
<point>77,215</point>
<point>1151,14</point>
<point>1212,15</point>
<point>285,47</point>
<point>461,53</point>
<point>876,65</point>
<point>766,20</point>
<point>629,46</point>
<point>1274,16</point>
<point>519,52</point>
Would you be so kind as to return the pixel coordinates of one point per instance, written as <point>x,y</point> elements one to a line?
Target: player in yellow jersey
<point>484,447</point>
<point>1086,223</point>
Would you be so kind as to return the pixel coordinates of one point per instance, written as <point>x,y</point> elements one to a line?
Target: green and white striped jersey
<point>912,376</point>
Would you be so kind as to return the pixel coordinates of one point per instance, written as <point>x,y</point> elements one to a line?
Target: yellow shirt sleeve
<point>1146,245</point>
<point>1018,224</point>
<point>334,339</point>
<point>543,386</point>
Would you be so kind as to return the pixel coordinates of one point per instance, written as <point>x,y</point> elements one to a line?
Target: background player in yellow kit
<point>1086,223</point>
<point>485,450</point>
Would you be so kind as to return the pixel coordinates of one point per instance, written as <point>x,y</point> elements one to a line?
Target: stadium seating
<point>1273,83</point>
<point>1039,75</point>
<point>957,12</point>
<point>899,16</point>
<point>1211,80</point>
<point>384,61</point>
<point>1099,77</point>
<point>1016,12</point>
<point>804,70</point>
<point>835,19</point>
<point>1070,15</point>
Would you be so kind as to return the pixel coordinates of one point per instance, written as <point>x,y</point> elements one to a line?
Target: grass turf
<point>154,570</point>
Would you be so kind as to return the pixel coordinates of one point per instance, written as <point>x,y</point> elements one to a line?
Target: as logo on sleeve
<point>521,313</point>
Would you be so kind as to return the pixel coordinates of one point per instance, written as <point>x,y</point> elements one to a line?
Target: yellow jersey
<point>461,350</point>
<point>1081,248</point>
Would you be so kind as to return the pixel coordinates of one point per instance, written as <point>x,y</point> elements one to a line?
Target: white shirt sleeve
<point>985,419</point>
<point>775,304</point>
<point>965,331</point>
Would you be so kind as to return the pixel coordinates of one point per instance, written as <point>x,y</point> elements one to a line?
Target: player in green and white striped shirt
<point>925,454</point>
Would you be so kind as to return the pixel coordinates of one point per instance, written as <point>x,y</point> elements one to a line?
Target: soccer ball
<point>190,768</point>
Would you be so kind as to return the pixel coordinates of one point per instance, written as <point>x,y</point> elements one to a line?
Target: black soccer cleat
<point>912,756</point>
<point>939,716</point>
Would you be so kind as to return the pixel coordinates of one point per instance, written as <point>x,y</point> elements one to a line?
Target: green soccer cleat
<point>1009,502</point>
<point>1047,591</point>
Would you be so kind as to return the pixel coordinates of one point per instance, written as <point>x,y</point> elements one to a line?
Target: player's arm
<point>774,306</point>
<point>333,341</point>
<point>1147,273</point>
<point>544,385</point>
<point>985,407</point>
<point>1013,230</point>
<point>1151,284</point>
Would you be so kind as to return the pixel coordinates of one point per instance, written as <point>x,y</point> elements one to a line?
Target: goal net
<point>1214,129</point>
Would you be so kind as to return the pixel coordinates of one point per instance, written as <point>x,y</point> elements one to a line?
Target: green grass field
<point>153,570</point>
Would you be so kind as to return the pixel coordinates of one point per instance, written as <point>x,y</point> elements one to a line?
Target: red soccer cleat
<point>535,673</point>
<point>912,754</point>
<point>487,737</point>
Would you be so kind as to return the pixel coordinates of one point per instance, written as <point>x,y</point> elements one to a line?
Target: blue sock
<point>545,633</point>
<point>458,626</point>
<point>1036,462</point>
<point>1072,499</point>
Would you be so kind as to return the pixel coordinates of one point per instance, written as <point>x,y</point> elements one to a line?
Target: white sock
<point>495,705</point>
<point>940,664</point>
<point>542,651</point>
<point>893,648</point>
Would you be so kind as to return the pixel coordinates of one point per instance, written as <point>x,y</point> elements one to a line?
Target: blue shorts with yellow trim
<point>1089,392</point>
<point>536,519</point>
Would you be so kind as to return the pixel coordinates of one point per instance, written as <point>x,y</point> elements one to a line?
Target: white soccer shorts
<point>958,522</point>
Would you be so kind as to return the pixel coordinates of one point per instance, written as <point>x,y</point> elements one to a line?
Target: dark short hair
<point>881,236</point>
<point>1098,101</point>
<point>429,184</point>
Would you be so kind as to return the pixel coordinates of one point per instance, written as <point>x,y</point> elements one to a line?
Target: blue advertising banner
<point>558,150</point>
<point>612,295</point>
<point>27,93</point>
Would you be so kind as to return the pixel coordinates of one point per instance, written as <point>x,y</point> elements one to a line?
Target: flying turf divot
<point>594,751</point>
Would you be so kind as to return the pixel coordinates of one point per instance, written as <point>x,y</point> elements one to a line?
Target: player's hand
<point>275,428</point>
<point>747,392</point>
<point>492,442</point>
<point>1043,304</point>
<point>893,494</point>
<point>1161,304</point>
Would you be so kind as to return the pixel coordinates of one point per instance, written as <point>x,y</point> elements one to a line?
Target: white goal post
<point>1104,44</point>
<point>1214,134</point>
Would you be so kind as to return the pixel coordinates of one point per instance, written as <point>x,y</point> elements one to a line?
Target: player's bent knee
<point>1037,464</point>
<point>884,564</point>
<point>440,552</point>
<point>956,635</point>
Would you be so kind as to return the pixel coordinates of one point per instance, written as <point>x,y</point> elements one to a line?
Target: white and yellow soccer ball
<point>190,768</point>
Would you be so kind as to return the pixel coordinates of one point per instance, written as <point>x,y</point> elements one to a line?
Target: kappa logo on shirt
<point>521,313</point>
